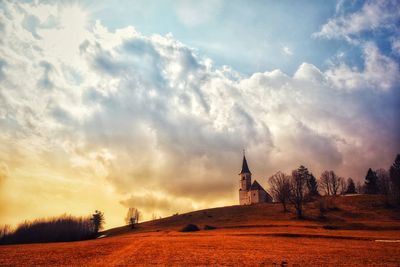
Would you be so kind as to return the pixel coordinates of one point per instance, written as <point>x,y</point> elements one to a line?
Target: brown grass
<point>254,236</point>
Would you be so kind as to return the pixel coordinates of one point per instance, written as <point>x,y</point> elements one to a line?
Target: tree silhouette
<point>371,182</point>
<point>312,186</point>
<point>280,188</point>
<point>383,181</point>
<point>97,221</point>
<point>351,187</point>
<point>330,183</point>
<point>299,189</point>
<point>394,173</point>
<point>132,217</point>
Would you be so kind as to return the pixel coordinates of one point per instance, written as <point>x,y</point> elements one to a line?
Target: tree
<point>394,173</point>
<point>342,185</point>
<point>132,217</point>
<point>280,188</point>
<point>299,189</point>
<point>97,220</point>
<point>330,183</point>
<point>312,186</point>
<point>154,216</point>
<point>383,180</point>
<point>371,182</point>
<point>351,187</point>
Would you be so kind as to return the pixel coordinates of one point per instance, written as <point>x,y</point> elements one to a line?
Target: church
<point>250,193</point>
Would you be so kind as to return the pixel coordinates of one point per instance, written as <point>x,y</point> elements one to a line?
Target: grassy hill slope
<point>357,212</point>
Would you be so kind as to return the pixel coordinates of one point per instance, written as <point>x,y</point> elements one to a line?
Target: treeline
<point>57,229</point>
<point>302,186</point>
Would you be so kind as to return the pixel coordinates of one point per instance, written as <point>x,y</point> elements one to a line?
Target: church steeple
<point>244,182</point>
<point>245,167</point>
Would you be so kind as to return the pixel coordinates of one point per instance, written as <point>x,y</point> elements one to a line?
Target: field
<point>360,231</point>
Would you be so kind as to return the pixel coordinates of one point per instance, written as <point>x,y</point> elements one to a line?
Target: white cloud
<point>287,51</point>
<point>373,16</point>
<point>380,72</point>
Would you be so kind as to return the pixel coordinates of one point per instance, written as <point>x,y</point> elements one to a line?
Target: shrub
<point>190,228</point>
<point>330,227</point>
<point>209,227</point>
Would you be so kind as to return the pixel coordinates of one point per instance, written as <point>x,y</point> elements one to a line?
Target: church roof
<point>256,186</point>
<point>245,167</point>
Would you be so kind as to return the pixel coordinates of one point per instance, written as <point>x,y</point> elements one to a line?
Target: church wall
<point>254,196</point>
<point>259,196</point>
<point>244,197</point>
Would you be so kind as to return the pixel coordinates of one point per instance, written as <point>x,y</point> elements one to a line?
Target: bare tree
<point>342,186</point>
<point>280,188</point>
<point>299,189</point>
<point>5,231</point>
<point>132,217</point>
<point>155,216</point>
<point>330,183</point>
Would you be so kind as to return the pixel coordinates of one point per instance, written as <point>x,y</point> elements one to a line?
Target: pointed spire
<point>245,167</point>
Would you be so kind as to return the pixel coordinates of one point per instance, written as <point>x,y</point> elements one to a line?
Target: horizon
<point>107,106</point>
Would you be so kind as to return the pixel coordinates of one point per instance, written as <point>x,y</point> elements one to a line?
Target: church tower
<point>244,182</point>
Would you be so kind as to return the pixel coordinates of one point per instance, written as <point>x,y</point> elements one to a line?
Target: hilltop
<point>354,212</point>
<point>357,230</point>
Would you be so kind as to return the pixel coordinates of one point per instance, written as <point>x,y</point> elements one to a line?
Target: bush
<point>190,228</point>
<point>209,227</point>
<point>58,229</point>
<point>330,227</point>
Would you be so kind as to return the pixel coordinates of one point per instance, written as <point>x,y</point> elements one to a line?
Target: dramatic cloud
<point>94,118</point>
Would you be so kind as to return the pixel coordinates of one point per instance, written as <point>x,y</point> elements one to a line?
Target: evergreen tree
<point>351,187</point>
<point>97,221</point>
<point>371,182</point>
<point>394,173</point>
<point>312,186</point>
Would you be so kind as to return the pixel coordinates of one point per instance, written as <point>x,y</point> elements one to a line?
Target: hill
<point>362,212</point>
<point>357,230</point>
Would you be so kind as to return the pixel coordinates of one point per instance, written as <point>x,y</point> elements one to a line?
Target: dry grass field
<point>258,235</point>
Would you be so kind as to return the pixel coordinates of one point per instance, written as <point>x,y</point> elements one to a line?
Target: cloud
<point>118,117</point>
<point>195,13</point>
<point>373,16</point>
<point>287,51</point>
<point>4,173</point>
<point>396,46</point>
<point>380,72</point>
<point>157,203</point>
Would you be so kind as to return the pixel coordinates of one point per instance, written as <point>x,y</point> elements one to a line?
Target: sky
<point>148,104</point>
